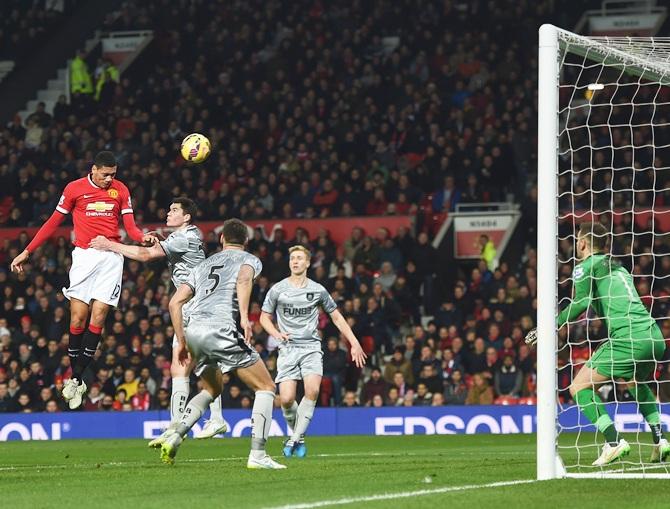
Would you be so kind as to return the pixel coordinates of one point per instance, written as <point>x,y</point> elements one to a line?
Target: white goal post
<point>581,81</point>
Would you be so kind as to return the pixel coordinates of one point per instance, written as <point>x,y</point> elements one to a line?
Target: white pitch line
<point>402,494</point>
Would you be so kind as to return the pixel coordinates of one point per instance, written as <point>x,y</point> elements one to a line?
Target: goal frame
<point>549,464</point>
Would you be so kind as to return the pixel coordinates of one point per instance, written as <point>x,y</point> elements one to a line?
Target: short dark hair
<point>596,234</point>
<point>188,206</point>
<point>105,158</point>
<point>235,232</point>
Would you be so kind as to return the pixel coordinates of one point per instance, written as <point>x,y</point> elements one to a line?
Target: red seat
<point>326,391</point>
<point>368,344</point>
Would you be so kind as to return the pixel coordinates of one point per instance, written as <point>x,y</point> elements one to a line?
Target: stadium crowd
<point>314,109</point>
<point>25,26</point>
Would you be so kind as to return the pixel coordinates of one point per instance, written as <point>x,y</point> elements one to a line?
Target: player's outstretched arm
<point>271,329</point>
<point>41,236</point>
<point>357,353</point>
<point>181,297</point>
<point>245,281</point>
<point>580,302</point>
<point>139,253</point>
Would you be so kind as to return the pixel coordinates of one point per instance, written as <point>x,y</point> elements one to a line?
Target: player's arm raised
<point>139,253</point>
<point>245,281</point>
<point>181,297</point>
<point>357,353</point>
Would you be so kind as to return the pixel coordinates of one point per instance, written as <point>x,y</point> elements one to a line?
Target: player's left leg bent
<point>583,391</point>
<point>212,382</point>
<point>311,371</point>
<point>288,373</point>
<point>305,413</point>
<point>289,407</point>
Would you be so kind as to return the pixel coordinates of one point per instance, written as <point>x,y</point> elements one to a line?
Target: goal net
<point>603,156</point>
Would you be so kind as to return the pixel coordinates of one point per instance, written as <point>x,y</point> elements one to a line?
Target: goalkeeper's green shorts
<point>632,358</point>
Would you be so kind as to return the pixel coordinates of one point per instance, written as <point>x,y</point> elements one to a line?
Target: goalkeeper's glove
<point>531,337</point>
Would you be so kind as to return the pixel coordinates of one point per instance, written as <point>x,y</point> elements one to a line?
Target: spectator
<point>94,398</point>
<point>374,385</point>
<point>508,379</point>
<point>488,252</point>
<point>349,400</point>
<point>446,199</point>
<point>438,399</point>
<point>129,385</point>
<point>423,396</point>
<point>455,389</point>
<point>334,367</point>
<point>398,364</point>
<point>392,397</point>
<point>141,400</point>
<point>430,379</point>
<point>480,393</point>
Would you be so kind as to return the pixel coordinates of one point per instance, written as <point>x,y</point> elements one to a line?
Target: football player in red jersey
<point>96,202</point>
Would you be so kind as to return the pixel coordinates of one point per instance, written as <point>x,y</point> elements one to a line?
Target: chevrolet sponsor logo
<point>100,206</point>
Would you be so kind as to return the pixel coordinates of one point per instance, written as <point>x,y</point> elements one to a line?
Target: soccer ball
<point>195,148</point>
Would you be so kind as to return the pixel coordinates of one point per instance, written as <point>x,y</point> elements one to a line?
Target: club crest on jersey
<point>578,272</point>
<point>113,193</point>
<point>310,296</point>
<point>100,206</point>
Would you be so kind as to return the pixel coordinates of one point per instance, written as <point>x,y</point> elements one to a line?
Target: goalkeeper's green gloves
<point>531,337</point>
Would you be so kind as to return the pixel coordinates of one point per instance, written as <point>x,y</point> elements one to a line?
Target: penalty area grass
<point>419,471</point>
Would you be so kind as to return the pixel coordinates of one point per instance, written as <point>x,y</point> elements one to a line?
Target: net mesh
<point>614,167</point>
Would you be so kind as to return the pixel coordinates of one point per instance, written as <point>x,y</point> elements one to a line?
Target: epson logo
<point>453,424</point>
<point>34,431</point>
<point>242,428</point>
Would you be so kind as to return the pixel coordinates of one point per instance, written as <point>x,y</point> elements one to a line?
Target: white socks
<point>261,420</point>
<point>215,412</point>
<point>194,410</point>
<point>180,392</point>
<point>305,413</point>
<point>290,414</point>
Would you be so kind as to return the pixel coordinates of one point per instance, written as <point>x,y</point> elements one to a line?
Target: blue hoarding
<point>327,421</point>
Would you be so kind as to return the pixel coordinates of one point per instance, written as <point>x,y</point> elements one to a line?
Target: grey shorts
<point>296,362</point>
<point>220,347</point>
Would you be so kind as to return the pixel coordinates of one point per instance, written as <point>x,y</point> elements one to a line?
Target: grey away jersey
<point>297,309</point>
<point>214,285</point>
<point>184,250</point>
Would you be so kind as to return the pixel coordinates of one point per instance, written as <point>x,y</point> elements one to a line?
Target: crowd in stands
<point>314,110</point>
<point>27,25</point>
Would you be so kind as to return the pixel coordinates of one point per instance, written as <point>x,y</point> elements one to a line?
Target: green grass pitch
<point>430,471</point>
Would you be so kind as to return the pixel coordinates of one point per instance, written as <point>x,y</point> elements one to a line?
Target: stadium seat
<point>368,344</point>
<point>326,391</point>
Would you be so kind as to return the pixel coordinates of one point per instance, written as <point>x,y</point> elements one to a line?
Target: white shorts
<point>219,346</point>
<point>295,362</point>
<point>95,275</point>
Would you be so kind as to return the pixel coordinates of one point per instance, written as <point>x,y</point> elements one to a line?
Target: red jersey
<point>95,211</point>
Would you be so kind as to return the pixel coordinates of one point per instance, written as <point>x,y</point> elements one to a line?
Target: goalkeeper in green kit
<point>635,342</point>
